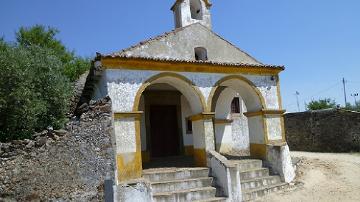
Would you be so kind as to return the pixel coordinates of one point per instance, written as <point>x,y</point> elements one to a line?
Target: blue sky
<point>317,40</point>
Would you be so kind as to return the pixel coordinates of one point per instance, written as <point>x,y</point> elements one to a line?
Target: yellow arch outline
<point>150,81</point>
<point>226,78</point>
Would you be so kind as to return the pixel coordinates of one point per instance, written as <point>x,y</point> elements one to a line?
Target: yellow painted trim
<point>189,150</point>
<point>176,66</point>
<point>138,141</point>
<point>258,151</point>
<point>134,114</point>
<point>266,131</point>
<point>151,80</point>
<point>252,114</point>
<point>265,112</point>
<point>129,166</point>
<point>278,91</point>
<point>202,116</point>
<point>223,121</point>
<point>208,4</point>
<point>241,78</point>
<point>283,130</point>
<point>276,143</point>
<point>196,117</point>
<point>200,157</point>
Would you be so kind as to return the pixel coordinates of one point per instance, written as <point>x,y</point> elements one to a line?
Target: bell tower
<point>188,12</point>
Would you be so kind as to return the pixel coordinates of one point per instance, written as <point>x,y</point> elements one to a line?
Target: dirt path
<point>323,177</point>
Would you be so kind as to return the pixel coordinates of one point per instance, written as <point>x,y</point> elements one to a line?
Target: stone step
<point>216,199</point>
<point>168,174</point>
<point>260,192</point>
<point>259,182</point>
<point>186,195</point>
<point>247,164</point>
<point>254,173</point>
<point>179,185</point>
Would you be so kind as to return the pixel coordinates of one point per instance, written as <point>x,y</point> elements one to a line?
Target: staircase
<point>256,180</point>
<point>181,184</point>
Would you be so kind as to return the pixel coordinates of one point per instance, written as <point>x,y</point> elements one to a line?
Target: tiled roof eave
<point>199,62</point>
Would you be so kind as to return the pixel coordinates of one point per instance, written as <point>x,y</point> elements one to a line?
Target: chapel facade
<point>192,99</point>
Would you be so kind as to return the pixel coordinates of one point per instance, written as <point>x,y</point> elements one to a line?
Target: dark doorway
<point>165,140</point>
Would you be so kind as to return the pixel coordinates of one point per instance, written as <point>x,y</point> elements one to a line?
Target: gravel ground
<point>323,177</point>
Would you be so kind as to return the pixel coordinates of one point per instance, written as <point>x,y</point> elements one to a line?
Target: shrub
<point>76,67</point>
<point>355,107</point>
<point>321,104</point>
<point>33,90</point>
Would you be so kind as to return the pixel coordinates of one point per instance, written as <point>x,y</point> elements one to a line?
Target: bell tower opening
<point>187,12</point>
<point>196,10</point>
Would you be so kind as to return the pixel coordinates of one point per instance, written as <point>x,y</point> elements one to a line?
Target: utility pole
<point>297,100</point>
<point>355,95</point>
<point>344,84</point>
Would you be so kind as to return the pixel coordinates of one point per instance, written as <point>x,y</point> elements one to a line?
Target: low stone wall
<point>64,165</point>
<point>323,131</point>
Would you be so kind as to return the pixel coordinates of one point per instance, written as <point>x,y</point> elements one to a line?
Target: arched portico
<point>219,102</point>
<point>184,85</point>
<point>202,128</point>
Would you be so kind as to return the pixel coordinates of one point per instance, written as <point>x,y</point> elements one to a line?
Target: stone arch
<point>181,83</point>
<point>252,96</point>
<point>219,102</point>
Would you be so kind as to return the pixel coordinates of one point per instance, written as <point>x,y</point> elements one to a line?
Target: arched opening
<point>200,54</point>
<point>168,100</point>
<point>196,10</point>
<point>235,132</point>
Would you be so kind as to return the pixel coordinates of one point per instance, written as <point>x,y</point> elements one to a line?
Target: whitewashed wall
<point>122,86</point>
<point>273,123</point>
<point>186,112</point>
<point>240,132</point>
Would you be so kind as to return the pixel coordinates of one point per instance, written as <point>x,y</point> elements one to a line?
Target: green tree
<point>321,104</point>
<point>33,90</point>
<point>45,37</point>
<point>355,107</point>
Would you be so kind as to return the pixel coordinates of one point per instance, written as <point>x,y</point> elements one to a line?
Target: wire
<point>323,91</point>
<point>319,92</point>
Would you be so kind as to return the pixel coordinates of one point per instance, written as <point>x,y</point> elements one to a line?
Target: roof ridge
<point>165,34</point>
<point>231,44</point>
<point>157,37</point>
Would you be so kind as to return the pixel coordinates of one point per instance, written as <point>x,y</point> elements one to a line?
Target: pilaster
<point>127,146</point>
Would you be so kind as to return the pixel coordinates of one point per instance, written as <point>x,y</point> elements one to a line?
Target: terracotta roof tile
<point>281,67</point>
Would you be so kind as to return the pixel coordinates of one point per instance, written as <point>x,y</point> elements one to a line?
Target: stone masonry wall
<point>64,165</point>
<point>323,131</point>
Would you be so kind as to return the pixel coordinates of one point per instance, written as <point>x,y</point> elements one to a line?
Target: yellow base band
<point>258,151</point>
<point>200,157</point>
<point>129,166</point>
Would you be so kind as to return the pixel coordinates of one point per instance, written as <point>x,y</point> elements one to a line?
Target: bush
<point>321,104</point>
<point>33,90</point>
<point>76,67</point>
<point>355,107</point>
